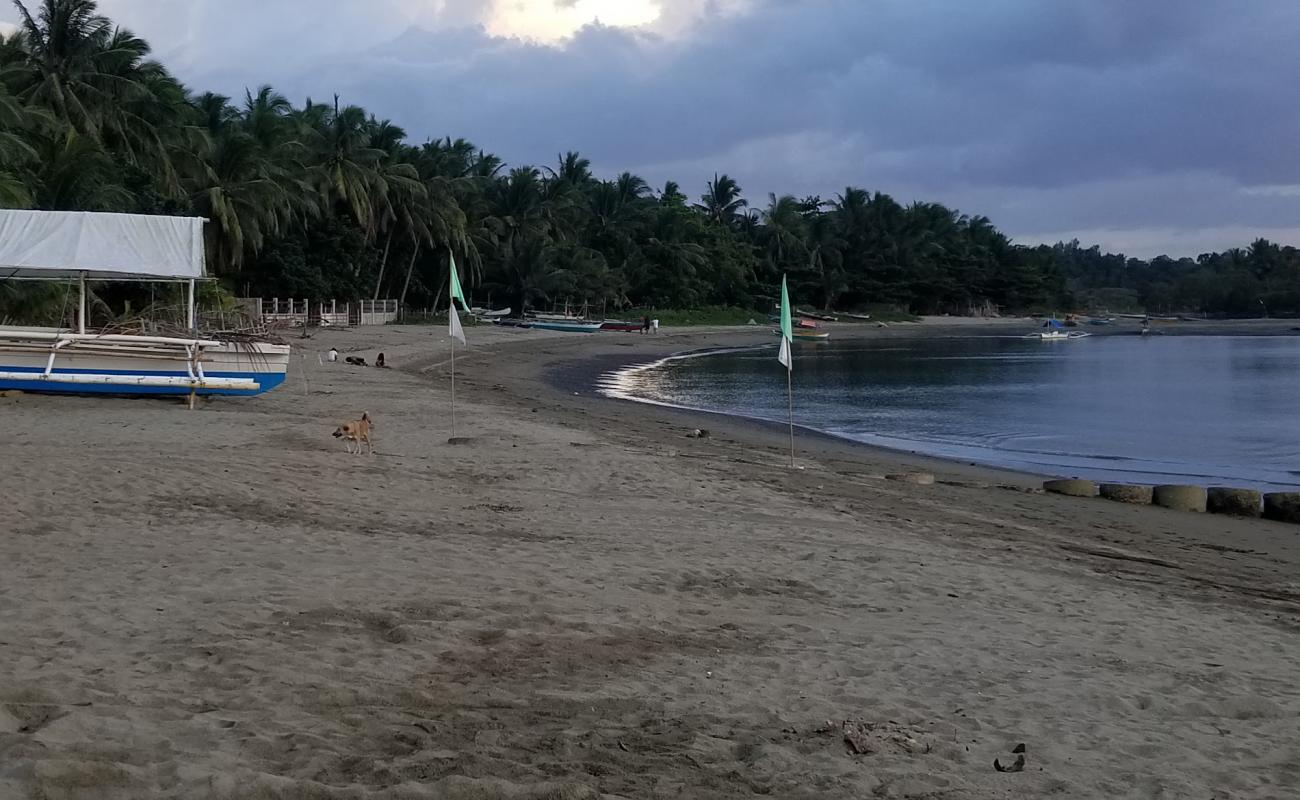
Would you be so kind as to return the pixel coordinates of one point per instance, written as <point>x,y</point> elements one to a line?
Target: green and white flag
<point>785,356</point>
<point>457,332</point>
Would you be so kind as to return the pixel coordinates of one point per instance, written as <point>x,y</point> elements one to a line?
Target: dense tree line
<point>323,200</point>
<point>1260,280</point>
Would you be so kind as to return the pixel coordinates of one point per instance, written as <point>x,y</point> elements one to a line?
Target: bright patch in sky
<point>550,20</point>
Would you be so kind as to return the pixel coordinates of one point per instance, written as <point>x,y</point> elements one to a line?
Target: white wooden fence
<point>291,313</point>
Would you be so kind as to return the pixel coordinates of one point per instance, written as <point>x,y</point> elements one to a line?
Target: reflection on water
<point>1170,409</point>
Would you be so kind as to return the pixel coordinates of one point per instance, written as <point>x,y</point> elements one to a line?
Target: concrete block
<point>1234,502</point>
<point>1071,488</point>
<point>1126,493</point>
<point>1180,498</point>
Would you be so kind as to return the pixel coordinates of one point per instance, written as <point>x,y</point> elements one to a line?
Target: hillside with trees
<point>325,200</point>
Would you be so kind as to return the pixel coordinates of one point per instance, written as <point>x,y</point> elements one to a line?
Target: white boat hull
<point>52,362</point>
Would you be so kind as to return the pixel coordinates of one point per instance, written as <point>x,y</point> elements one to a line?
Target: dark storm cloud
<point>1049,116</point>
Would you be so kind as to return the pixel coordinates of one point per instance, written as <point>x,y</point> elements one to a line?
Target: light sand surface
<point>580,602</point>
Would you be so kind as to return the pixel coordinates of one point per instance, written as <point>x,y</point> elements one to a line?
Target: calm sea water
<point>1210,410</point>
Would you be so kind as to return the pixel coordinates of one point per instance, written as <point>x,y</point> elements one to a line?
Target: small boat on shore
<point>512,322</point>
<point>814,315</point>
<point>807,335</point>
<point>566,326</point>
<point>859,317</point>
<point>620,325</point>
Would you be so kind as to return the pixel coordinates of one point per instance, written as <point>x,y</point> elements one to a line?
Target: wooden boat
<point>620,325</point>
<point>1056,335</point>
<point>81,246</point>
<point>860,317</point>
<point>512,322</point>
<point>566,326</point>
<point>808,336</point>
<point>814,315</point>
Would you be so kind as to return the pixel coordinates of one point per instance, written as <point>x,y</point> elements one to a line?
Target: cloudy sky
<point>1146,126</point>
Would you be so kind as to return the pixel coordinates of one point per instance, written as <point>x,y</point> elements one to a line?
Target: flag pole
<point>453,387</point>
<point>789,388</point>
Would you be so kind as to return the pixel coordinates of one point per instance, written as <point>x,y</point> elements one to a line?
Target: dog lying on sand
<point>356,432</point>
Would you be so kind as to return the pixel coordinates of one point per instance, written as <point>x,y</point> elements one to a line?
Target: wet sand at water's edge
<point>579,601</point>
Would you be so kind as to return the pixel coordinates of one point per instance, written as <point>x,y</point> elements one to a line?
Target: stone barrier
<point>1071,488</point>
<point>1234,502</point>
<point>1125,493</point>
<point>1180,498</point>
<point>1282,507</point>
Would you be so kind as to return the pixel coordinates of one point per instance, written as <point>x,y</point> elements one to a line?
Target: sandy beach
<point>575,600</point>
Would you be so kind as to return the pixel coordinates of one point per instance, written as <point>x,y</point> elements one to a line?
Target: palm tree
<point>237,189</point>
<point>347,166</point>
<point>573,170</point>
<point>722,202</point>
<point>97,79</point>
<point>18,124</point>
<point>784,228</point>
<point>76,174</point>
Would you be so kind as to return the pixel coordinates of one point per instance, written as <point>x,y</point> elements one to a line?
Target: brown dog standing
<point>357,431</point>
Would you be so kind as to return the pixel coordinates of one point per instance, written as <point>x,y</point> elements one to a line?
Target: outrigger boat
<point>512,322</point>
<point>574,326</point>
<point>82,246</point>
<point>620,325</point>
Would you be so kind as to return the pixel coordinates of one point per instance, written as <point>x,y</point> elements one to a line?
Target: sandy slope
<point>580,601</point>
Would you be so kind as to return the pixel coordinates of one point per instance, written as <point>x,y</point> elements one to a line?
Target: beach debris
<point>1116,555</point>
<point>1018,765</point>
<point>11,393</point>
<point>356,361</point>
<point>698,433</point>
<point>866,738</point>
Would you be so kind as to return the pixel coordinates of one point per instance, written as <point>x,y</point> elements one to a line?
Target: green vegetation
<point>325,201</point>
<point>1261,280</point>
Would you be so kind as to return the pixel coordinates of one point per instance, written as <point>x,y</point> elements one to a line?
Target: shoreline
<point>574,599</point>
<point>591,376</point>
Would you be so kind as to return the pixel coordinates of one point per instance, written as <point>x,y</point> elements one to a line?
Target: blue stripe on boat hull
<point>266,380</point>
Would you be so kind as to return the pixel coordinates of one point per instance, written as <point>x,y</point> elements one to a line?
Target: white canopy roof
<point>62,244</point>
